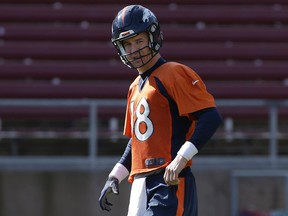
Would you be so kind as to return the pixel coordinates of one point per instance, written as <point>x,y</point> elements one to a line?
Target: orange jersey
<point>158,116</point>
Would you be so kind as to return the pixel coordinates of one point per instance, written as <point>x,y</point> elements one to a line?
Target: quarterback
<point>170,116</point>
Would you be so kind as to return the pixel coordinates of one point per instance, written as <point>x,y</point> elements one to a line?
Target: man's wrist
<point>188,150</point>
<point>119,171</point>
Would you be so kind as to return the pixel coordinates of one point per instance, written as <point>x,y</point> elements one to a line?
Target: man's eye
<point>126,46</point>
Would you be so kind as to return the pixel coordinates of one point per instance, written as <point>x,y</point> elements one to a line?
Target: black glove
<point>111,186</point>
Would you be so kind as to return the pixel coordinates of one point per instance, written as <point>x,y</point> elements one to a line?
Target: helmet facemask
<point>129,58</point>
<point>132,61</point>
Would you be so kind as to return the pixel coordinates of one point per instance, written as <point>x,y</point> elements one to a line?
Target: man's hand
<point>111,186</point>
<point>173,169</point>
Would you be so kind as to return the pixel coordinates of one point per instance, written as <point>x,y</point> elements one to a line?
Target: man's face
<point>137,50</point>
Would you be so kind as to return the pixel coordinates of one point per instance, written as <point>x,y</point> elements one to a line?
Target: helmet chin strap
<point>141,57</point>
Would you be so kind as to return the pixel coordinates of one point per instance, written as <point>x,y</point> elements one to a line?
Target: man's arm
<point>126,157</point>
<point>208,120</point>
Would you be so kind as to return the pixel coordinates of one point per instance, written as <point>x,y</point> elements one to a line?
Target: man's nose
<point>134,48</point>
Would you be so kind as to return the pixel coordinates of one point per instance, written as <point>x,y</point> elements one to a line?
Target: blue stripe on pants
<point>162,199</point>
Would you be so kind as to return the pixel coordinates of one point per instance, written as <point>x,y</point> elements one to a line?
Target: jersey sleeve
<point>189,91</point>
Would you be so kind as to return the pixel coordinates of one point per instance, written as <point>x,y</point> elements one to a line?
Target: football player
<point>170,116</point>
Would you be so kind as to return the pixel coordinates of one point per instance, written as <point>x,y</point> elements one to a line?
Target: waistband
<point>146,174</point>
<point>183,173</point>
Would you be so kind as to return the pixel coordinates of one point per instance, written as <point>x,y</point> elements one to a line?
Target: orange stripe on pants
<point>180,196</point>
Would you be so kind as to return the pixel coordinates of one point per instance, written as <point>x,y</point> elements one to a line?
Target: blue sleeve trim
<point>208,120</point>
<point>126,157</point>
